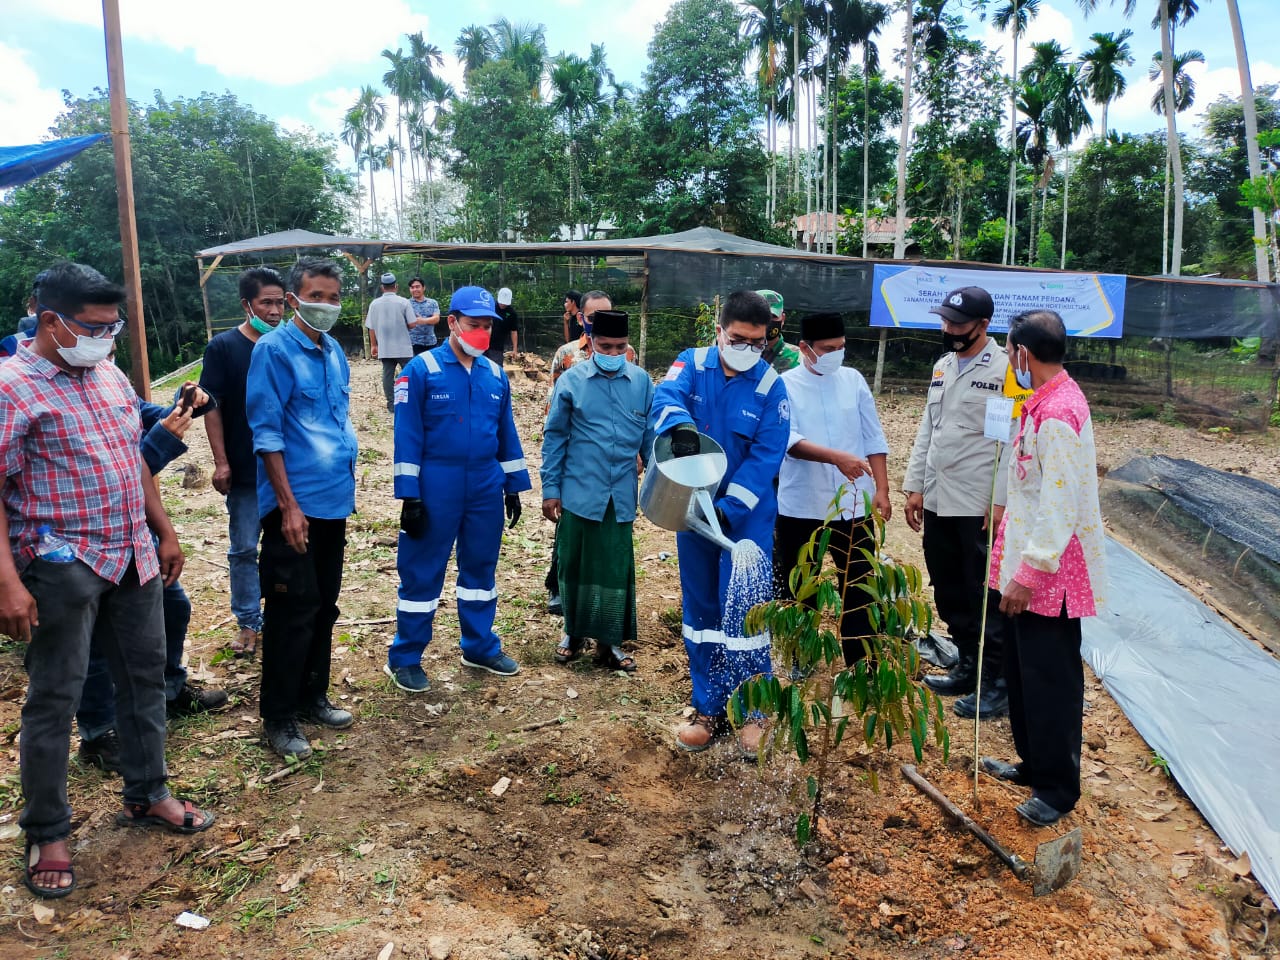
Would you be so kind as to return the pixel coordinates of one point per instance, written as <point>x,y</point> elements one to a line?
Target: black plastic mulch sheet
<point>1241,508</point>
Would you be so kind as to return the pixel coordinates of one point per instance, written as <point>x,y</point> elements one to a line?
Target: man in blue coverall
<point>729,393</point>
<point>455,436</point>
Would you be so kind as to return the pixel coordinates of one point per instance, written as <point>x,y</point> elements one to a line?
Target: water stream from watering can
<point>750,583</point>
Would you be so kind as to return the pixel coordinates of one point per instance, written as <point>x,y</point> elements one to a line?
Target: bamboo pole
<point>139,372</point>
<point>204,297</point>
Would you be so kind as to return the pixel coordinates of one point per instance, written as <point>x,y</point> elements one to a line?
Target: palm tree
<point>1250,137</point>
<point>904,138</point>
<point>1101,70</point>
<point>1183,88</point>
<point>1068,115</point>
<point>524,45</point>
<point>371,112</point>
<point>1033,143</point>
<point>475,47</point>
<point>353,137</point>
<point>793,15</point>
<point>401,79</point>
<point>576,92</point>
<point>1014,16</point>
<point>765,33</point>
<point>854,23</point>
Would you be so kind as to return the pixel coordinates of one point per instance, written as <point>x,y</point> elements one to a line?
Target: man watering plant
<point>1047,562</point>
<point>948,488</point>
<point>729,393</point>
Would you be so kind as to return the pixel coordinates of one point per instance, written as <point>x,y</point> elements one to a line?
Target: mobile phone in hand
<point>187,398</point>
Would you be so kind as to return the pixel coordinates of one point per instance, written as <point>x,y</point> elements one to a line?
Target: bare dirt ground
<point>608,842</point>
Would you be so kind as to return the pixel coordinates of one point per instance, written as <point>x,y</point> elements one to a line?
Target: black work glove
<point>684,441</point>
<point>413,518</point>
<point>723,521</point>
<point>512,502</point>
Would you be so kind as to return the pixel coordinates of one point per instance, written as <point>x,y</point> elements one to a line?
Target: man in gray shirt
<point>389,321</point>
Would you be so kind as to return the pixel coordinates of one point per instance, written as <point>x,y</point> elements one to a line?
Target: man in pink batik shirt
<point>1047,564</point>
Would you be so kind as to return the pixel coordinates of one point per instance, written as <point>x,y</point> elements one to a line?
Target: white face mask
<point>826,364</point>
<point>88,351</point>
<point>320,317</point>
<point>740,361</point>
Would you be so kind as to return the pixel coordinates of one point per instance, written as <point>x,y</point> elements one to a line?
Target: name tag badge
<point>999,419</point>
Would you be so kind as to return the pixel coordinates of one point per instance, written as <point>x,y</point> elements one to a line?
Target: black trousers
<point>790,534</point>
<point>300,593</point>
<point>552,583</point>
<point>1046,703</point>
<point>955,554</point>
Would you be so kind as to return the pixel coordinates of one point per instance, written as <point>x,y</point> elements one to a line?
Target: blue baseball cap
<point>473,302</point>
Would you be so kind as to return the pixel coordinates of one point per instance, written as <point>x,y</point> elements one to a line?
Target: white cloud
<point>1050,24</point>
<point>272,41</point>
<point>1132,112</point>
<point>27,108</point>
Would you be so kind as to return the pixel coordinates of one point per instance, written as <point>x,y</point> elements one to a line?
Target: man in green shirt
<point>781,355</point>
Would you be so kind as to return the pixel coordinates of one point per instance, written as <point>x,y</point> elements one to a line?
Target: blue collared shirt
<point>298,398</point>
<point>595,427</point>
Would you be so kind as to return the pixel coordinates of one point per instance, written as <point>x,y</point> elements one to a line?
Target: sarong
<point>597,578</point>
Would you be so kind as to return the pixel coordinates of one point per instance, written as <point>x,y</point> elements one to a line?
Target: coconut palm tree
<point>524,45</point>
<point>370,110</point>
<point>401,80</point>
<point>353,137</point>
<point>475,47</point>
<point>1183,88</point>
<point>1250,136</point>
<point>1014,15</point>
<point>763,28</point>
<point>904,138</point>
<point>1033,143</point>
<point>1101,70</point>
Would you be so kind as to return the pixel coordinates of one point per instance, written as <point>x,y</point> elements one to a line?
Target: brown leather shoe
<point>698,734</point>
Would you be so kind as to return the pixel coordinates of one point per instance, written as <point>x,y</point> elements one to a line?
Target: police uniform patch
<point>402,390</point>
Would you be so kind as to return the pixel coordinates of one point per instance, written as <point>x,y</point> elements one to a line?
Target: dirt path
<point>607,843</point>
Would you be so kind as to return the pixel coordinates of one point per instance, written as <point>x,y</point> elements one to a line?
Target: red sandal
<point>136,815</point>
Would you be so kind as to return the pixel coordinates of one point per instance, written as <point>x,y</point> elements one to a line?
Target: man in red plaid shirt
<point>69,455</point>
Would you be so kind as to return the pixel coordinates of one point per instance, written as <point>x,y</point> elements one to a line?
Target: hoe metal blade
<point>1057,863</point>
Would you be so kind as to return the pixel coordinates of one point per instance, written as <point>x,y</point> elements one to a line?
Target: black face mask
<point>773,332</point>
<point>952,341</point>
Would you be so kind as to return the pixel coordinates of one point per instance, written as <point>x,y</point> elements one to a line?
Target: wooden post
<point>204,296</point>
<point>644,313</point>
<point>140,371</point>
<point>884,336</point>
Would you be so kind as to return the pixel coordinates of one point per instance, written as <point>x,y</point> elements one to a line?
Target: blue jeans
<point>124,621</point>
<point>244,530</point>
<point>97,712</point>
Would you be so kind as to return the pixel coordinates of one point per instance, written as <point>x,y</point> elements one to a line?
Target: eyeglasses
<point>755,346</point>
<point>97,331</point>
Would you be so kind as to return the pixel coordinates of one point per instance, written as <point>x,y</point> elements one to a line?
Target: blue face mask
<point>1022,376</point>
<point>609,364</point>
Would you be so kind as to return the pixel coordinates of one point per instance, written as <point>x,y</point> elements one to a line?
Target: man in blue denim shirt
<point>596,432</point>
<point>298,401</point>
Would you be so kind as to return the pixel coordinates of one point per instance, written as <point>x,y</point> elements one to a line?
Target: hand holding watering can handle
<point>684,441</point>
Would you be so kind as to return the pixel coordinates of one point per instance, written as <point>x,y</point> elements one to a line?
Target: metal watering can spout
<point>701,519</point>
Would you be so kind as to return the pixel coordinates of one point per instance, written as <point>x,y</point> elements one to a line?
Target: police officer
<point>729,393</point>
<point>948,486</point>
<point>455,436</point>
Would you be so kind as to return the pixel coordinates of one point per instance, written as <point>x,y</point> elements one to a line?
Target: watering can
<point>676,493</point>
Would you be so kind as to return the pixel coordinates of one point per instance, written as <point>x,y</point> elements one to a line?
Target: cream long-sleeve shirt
<point>951,460</point>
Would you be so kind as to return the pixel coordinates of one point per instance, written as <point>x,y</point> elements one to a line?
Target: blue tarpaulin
<point>23,163</point>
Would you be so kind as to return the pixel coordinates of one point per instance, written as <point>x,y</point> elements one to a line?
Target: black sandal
<point>45,866</point>
<point>615,658</point>
<point>139,815</point>
<point>569,649</point>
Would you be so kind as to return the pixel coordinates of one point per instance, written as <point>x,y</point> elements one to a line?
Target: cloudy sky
<point>305,68</point>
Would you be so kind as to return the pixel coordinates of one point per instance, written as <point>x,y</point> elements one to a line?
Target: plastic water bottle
<point>53,548</point>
